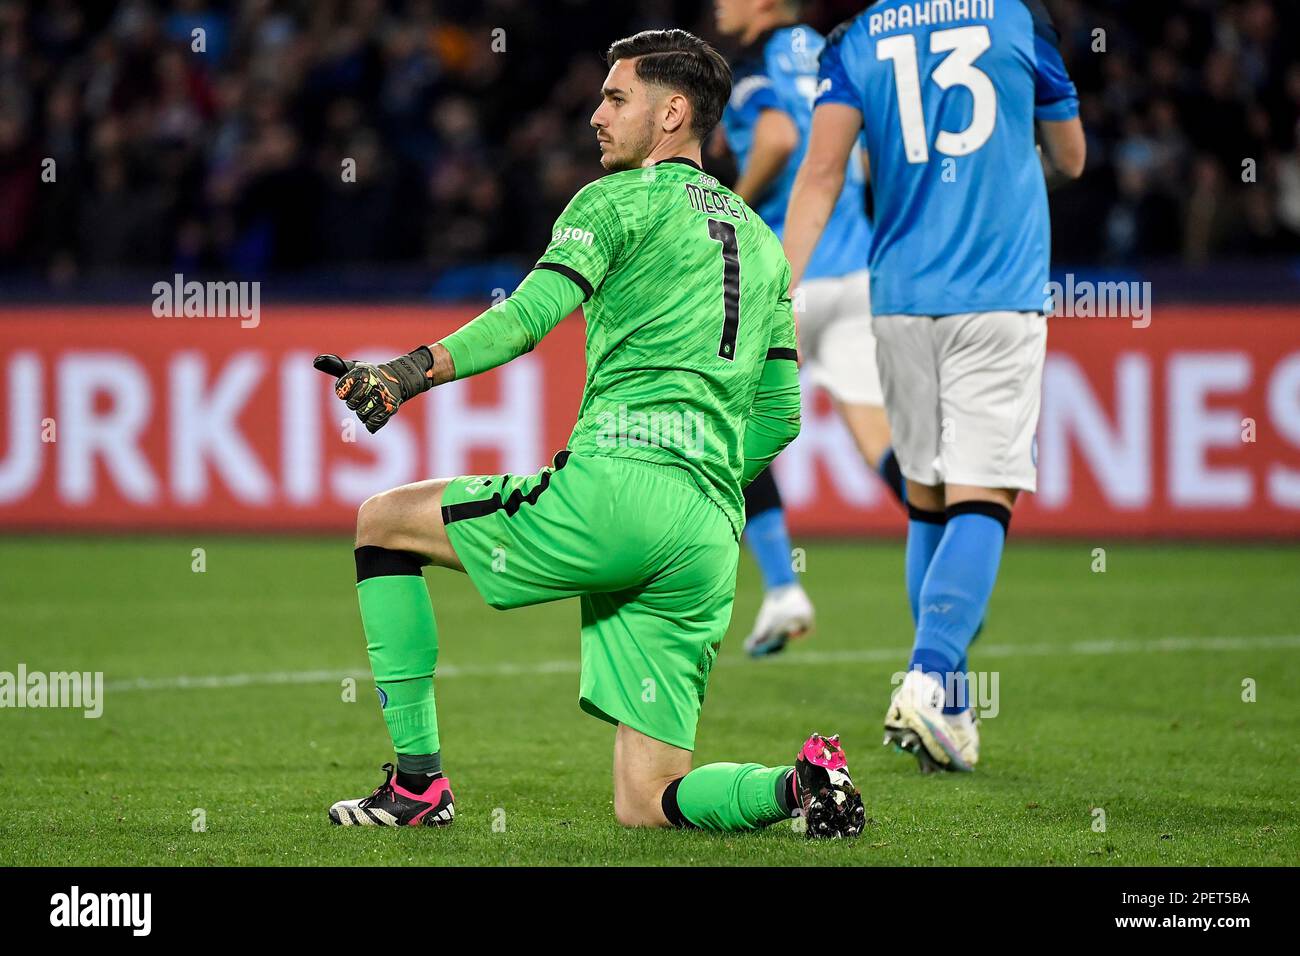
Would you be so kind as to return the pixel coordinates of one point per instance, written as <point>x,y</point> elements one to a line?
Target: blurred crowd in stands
<point>200,135</point>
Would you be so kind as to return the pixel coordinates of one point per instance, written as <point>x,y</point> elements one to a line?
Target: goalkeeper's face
<point>629,120</point>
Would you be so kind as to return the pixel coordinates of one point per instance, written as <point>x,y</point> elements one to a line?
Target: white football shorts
<point>835,338</point>
<point>962,393</point>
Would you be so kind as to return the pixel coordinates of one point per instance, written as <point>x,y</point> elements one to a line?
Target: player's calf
<point>731,797</point>
<point>637,811</point>
<point>643,768</point>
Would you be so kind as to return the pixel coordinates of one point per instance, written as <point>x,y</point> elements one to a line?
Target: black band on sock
<point>373,562</point>
<point>761,494</point>
<point>426,764</point>
<point>785,792</point>
<point>990,509</point>
<point>893,475</point>
<point>672,811</point>
<point>417,782</point>
<point>929,517</point>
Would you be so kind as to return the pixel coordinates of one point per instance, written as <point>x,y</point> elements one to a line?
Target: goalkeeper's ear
<point>333,365</point>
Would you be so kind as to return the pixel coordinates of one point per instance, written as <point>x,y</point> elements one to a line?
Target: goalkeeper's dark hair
<point>682,62</point>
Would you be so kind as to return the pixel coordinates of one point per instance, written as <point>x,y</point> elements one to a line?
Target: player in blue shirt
<point>766,126</point>
<point>949,96</point>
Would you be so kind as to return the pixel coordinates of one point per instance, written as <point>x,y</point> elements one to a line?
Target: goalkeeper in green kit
<point>692,389</point>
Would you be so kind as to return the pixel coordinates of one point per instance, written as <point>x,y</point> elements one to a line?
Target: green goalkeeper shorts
<point>652,559</point>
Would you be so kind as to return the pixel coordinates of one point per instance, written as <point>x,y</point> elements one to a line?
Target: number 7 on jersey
<point>725,233</point>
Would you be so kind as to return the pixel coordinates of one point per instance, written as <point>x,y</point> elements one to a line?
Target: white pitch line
<point>874,655</point>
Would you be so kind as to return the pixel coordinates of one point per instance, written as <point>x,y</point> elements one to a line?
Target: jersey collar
<point>681,159</point>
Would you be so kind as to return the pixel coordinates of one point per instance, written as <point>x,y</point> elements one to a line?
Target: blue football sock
<point>924,531</point>
<point>769,543</point>
<point>960,685</point>
<point>957,587</point>
<point>892,475</point>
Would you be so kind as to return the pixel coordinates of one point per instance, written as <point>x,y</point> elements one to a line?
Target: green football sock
<point>733,796</point>
<point>402,641</point>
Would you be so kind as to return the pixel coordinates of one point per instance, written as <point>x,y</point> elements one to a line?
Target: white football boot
<point>965,732</point>
<point>915,722</point>
<point>786,615</point>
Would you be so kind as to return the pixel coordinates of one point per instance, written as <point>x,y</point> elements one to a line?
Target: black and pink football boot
<point>831,805</point>
<point>392,805</point>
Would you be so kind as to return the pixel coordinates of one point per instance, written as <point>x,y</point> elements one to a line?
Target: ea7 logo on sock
<point>103,909</point>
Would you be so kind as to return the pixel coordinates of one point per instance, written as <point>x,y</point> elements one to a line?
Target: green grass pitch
<point>1119,691</point>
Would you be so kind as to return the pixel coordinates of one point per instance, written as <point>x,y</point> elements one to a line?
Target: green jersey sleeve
<point>513,327</point>
<point>587,240</point>
<point>783,337</point>
<point>773,420</point>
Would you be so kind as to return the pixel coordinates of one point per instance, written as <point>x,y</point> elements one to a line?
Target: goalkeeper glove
<point>375,392</point>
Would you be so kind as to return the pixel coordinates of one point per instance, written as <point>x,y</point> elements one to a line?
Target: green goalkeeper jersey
<point>686,298</point>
